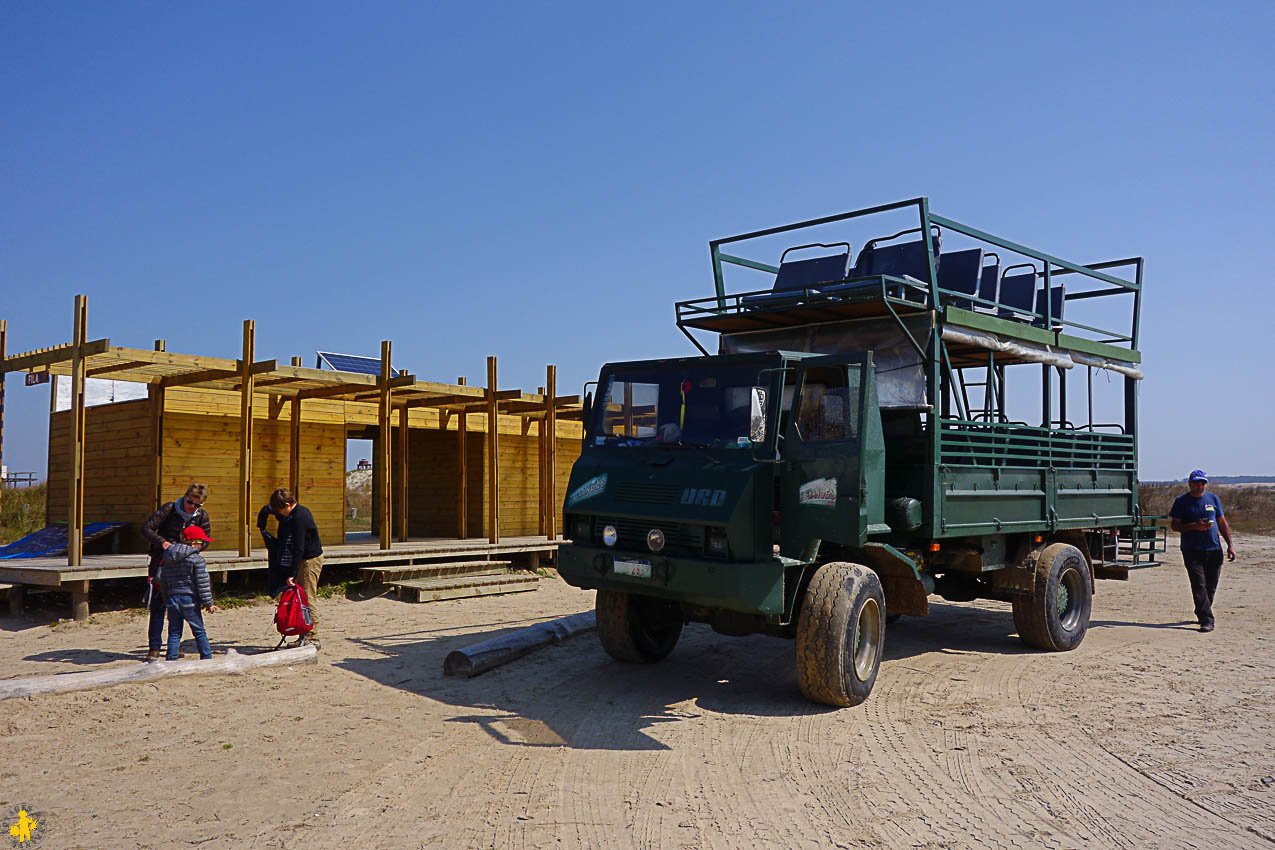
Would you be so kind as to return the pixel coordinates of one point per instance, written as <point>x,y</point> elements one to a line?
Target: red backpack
<point>293,617</point>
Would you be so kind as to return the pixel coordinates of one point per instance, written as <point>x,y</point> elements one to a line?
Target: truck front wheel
<point>1055,616</point>
<point>637,628</point>
<point>840,634</point>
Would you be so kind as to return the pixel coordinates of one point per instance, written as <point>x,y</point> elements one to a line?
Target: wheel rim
<point>867,639</point>
<point>1070,594</point>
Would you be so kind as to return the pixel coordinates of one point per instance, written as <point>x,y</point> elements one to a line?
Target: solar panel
<point>353,363</point>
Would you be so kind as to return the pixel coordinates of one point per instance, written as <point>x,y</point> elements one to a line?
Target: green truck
<point>876,426</point>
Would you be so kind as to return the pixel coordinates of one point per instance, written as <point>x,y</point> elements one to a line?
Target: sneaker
<point>1206,627</point>
<point>313,641</point>
<point>153,655</point>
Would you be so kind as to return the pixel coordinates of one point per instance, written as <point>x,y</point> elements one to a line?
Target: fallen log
<point>485,655</point>
<point>231,662</point>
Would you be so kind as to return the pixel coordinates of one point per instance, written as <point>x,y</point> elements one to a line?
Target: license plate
<point>637,569</point>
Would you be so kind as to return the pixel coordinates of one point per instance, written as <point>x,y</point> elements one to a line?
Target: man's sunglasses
<point>191,503</point>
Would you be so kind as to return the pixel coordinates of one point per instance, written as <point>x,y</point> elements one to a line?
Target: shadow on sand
<point>576,696</point>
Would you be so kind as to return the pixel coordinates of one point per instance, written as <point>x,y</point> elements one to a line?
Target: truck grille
<point>648,494</point>
<point>679,538</point>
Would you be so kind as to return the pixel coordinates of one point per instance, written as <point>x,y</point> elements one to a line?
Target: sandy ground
<point>1149,735</point>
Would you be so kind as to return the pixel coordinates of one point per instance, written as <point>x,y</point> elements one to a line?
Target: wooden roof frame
<point>161,369</point>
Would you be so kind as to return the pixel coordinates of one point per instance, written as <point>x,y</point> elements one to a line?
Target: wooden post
<point>156,393</point>
<point>75,518</point>
<point>245,437</point>
<point>550,437</point>
<point>401,494</point>
<point>383,448</point>
<point>16,598</point>
<point>294,442</point>
<point>79,594</point>
<point>462,490</point>
<point>493,456</point>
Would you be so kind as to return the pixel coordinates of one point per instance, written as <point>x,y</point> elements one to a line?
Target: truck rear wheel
<point>840,634</point>
<point>636,628</point>
<point>1056,615</point>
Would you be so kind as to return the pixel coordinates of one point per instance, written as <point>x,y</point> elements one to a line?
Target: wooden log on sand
<point>481,657</point>
<point>231,662</point>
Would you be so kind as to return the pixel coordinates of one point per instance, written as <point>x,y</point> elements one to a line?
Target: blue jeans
<point>155,629</point>
<point>182,609</point>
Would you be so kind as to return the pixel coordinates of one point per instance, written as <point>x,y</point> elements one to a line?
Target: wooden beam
<point>231,662</point>
<point>75,518</point>
<point>392,383</point>
<point>235,375</point>
<point>294,448</point>
<point>55,354</point>
<point>79,594</point>
<point>200,377</point>
<point>549,436</point>
<point>493,456</point>
<point>245,437</point>
<point>156,394</point>
<point>401,494</point>
<point>330,392</point>
<point>462,494</point>
<point>115,367</point>
<point>383,449</point>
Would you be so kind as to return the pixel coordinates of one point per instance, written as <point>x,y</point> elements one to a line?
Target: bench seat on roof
<point>796,277</point>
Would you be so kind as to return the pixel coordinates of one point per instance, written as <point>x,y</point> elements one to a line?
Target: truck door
<point>821,455</point>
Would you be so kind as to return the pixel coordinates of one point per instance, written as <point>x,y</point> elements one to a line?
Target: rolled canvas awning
<point>1021,349</point>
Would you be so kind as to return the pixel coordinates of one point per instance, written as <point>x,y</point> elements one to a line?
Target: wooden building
<point>451,460</point>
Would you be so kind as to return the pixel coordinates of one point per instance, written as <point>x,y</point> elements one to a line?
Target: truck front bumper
<point>750,587</point>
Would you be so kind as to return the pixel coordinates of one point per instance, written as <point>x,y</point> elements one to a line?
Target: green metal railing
<point>964,442</point>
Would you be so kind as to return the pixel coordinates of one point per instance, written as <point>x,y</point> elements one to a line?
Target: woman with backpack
<point>183,578</point>
<point>163,529</point>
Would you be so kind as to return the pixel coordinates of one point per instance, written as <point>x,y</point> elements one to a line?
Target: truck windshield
<point>704,406</point>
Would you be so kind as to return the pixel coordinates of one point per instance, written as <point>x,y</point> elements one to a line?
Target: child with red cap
<point>184,579</point>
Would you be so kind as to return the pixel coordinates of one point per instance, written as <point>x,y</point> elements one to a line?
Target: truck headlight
<point>609,535</point>
<point>580,529</point>
<point>655,539</point>
<point>715,541</point>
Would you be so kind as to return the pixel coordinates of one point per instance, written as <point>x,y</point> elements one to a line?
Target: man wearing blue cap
<point>1197,516</point>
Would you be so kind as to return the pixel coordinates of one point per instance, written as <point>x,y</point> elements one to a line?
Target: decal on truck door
<point>821,492</point>
<point>588,490</point>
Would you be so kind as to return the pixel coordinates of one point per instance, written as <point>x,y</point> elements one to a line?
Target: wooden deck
<point>361,549</point>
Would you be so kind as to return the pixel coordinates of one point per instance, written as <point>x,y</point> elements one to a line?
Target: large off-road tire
<point>637,628</point>
<point>840,634</point>
<point>1055,616</point>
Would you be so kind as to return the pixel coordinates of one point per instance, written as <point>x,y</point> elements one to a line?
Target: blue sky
<point>539,181</point>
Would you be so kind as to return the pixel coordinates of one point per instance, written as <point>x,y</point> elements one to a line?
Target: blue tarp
<point>52,540</point>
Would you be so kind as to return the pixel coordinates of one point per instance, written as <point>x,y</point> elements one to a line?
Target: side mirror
<point>757,415</point>
<point>588,408</point>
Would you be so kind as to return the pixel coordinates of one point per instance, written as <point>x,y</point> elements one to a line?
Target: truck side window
<point>829,407</point>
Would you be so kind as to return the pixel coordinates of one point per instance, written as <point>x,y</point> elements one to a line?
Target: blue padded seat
<point>809,273</point>
<point>959,273</point>
<point>1017,295</point>
<point>796,276</point>
<point>907,259</point>
<point>989,282</point>
<point>1057,299</point>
